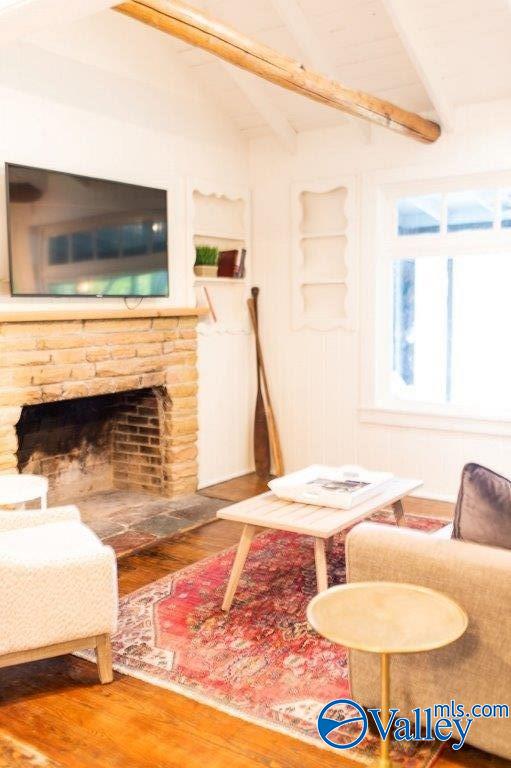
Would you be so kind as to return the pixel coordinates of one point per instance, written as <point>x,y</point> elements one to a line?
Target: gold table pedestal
<point>384,760</point>
<point>386,618</point>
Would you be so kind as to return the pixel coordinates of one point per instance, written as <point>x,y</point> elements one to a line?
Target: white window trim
<point>435,420</point>
<point>376,406</point>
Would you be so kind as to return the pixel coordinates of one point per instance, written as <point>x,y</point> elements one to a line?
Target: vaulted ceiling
<point>427,56</point>
<point>424,55</point>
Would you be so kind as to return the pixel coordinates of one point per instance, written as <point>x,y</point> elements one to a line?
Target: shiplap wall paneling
<point>226,406</point>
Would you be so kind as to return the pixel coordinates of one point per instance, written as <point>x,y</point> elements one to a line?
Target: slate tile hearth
<point>130,520</point>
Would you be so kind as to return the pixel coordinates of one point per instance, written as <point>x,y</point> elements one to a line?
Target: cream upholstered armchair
<point>59,588</point>
<point>477,667</point>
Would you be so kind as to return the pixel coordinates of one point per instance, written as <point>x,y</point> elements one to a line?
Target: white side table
<point>16,490</point>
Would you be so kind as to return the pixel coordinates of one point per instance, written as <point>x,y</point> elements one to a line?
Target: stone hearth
<point>130,521</point>
<point>151,360</point>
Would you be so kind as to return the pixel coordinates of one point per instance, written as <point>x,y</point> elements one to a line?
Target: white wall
<point>107,97</point>
<point>317,376</point>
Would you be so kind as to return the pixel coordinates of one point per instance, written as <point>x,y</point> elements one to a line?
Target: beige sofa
<point>474,670</point>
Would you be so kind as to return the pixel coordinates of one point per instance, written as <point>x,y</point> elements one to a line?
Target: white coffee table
<point>16,490</point>
<point>268,511</point>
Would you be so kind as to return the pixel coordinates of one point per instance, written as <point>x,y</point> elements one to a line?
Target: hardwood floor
<point>251,485</point>
<point>238,489</point>
<point>54,714</point>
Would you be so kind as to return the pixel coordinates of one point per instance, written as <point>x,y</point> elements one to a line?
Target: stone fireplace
<point>101,403</point>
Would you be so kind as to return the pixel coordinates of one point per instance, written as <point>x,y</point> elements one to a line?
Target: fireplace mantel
<point>55,314</point>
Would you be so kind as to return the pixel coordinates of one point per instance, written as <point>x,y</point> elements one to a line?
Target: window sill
<point>395,417</point>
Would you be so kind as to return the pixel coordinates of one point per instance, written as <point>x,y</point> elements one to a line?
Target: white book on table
<point>342,487</point>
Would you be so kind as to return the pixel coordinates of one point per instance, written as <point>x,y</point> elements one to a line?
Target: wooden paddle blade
<point>273,434</point>
<point>262,456</point>
<point>261,439</point>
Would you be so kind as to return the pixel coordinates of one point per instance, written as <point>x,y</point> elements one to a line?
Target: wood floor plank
<point>416,506</point>
<point>238,489</point>
<point>58,709</point>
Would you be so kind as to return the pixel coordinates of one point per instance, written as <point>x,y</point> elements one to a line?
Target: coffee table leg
<point>399,512</point>
<point>321,565</point>
<point>239,561</point>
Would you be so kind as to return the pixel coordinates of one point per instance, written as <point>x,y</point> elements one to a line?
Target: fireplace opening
<point>94,444</point>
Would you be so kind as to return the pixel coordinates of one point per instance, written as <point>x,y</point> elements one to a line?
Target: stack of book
<point>341,487</point>
<point>232,263</point>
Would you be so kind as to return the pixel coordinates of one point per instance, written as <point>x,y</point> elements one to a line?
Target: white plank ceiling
<point>465,43</point>
<point>444,53</point>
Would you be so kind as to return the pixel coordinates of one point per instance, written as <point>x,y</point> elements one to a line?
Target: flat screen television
<point>73,235</point>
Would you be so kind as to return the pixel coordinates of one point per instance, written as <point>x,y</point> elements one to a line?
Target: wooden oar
<point>274,440</point>
<point>262,456</point>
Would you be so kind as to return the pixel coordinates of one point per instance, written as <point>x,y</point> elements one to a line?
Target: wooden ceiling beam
<point>316,54</point>
<point>198,29</point>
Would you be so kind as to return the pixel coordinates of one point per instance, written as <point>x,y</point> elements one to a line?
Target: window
<point>111,241</point>
<point>82,248</point>
<point>449,303</point>
<point>419,215</point>
<point>58,250</point>
<point>108,242</point>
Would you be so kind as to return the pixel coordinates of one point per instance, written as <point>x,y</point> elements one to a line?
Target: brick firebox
<point>53,360</point>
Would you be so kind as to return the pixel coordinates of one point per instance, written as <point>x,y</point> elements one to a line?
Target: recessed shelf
<point>323,211</point>
<point>324,301</point>
<point>218,213</point>
<point>236,280</point>
<point>324,259</point>
<point>220,218</point>
<point>324,243</point>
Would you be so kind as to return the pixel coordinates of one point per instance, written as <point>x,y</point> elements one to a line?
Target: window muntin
<point>505,211</point>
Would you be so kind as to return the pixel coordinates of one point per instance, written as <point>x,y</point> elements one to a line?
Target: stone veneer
<point>53,360</point>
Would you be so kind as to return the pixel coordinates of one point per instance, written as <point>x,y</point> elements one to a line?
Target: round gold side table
<point>386,618</point>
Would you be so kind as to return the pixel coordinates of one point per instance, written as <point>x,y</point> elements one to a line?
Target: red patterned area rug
<point>261,661</point>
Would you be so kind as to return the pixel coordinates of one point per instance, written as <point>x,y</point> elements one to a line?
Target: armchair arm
<point>59,583</point>
<point>28,518</point>
<point>477,667</point>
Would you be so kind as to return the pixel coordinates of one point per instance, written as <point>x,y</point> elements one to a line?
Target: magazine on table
<point>342,487</point>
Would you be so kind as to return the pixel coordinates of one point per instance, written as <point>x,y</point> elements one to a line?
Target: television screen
<point>73,235</point>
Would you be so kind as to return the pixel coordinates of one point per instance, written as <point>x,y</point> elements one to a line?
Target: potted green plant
<point>206,258</point>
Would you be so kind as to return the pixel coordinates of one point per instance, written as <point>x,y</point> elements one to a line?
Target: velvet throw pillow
<point>483,509</point>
